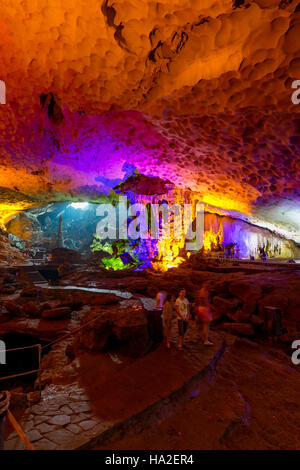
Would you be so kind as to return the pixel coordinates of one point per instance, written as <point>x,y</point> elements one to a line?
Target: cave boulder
<point>31,309</point>
<point>245,289</point>
<point>122,327</point>
<point>14,309</point>
<point>225,305</point>
<point>9,254</point>
<point>55,313</point>
<point>9,279</point>
<point>249,307</point>
<point>45,306</point>
<point>242,317</point>
<point>256,321</point>
<point>5,316</point>
<point>7,290</point>
<point>30,291</point>
<point>24,226</point>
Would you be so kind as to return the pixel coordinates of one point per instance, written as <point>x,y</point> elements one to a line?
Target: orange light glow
<point>7,211</point>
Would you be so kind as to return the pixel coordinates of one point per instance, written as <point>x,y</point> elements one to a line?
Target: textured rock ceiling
<point>197,92</point>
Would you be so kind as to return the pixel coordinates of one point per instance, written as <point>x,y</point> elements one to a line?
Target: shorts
<point>203,314</point>
<point>182,327</point>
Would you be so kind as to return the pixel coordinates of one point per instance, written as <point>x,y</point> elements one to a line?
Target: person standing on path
<point>202,312</point>
<point>182,306</point>
<point>167,316</point>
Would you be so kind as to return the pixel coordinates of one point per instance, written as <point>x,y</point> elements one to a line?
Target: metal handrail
<point>4,411</point>
<point>39,370</point>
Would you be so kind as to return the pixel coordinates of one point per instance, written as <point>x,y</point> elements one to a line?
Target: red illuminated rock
<point>56,313</point>
<point>224,305</point>
<point>14,309</point>
<point>123,326</point>
<point>31,309</point>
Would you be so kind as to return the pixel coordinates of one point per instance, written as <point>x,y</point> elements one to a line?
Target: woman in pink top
<point>203,313</point>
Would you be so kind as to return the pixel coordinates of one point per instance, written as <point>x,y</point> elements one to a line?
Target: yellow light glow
<point>222,202</point>
<point>166,264</point>
<point>169,248</point>
<point>212,239</point>
<point>7,211</point>
<point>169,254</point>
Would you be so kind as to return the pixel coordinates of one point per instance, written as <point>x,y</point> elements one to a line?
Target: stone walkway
<point>71,417</point>
<point>59,421</point>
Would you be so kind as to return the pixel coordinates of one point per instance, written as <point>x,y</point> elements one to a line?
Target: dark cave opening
<point>21,361</point>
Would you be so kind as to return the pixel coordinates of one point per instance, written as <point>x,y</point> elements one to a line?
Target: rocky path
<point>92,409</point>
<point>250,402</point>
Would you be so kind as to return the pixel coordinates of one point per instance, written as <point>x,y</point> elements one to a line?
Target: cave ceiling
<point>195,92</point>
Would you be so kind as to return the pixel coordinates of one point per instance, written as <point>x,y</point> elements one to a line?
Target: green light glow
<point>114,263</point>
<point>99,245</point>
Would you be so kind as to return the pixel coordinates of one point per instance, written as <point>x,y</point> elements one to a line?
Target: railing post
<point>2,429</point>
<point>20,431</point>
<point>40,368</point>
<point>4,404</point>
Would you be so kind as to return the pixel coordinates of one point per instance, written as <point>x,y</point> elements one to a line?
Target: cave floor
<point>251,403</point>
<point>240,394</point>
<point>108,394</point>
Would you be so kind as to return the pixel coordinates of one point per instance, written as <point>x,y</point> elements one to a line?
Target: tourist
<point>262,254</point>
<point>183,314</point>
<point>203,313</point>
<point>167,316</point>
<point>160,299</point>
<point>155,320</point>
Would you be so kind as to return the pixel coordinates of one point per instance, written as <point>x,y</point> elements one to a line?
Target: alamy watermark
<point>152,221</point>
<point>2,353</point>
<point>296,354</point>
<point>2,92</point>
<point>296,93</point>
